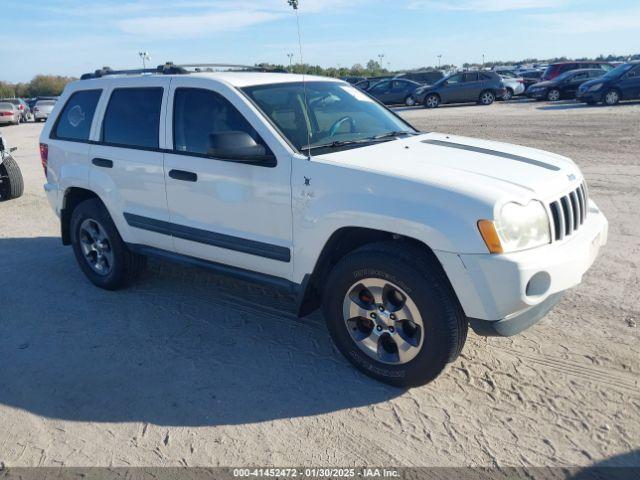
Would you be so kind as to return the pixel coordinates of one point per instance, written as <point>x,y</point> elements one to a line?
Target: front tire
<point>553,95</point>
<point>612,97</point>
<point>391,312</point>
<point>487,97</point>
<point>11,181</point>
<point>410,101</point>
<point>102,255</point>
<point>508,95</point>
<point>432,101</point>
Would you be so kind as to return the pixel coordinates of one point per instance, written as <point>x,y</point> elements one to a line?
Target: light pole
<point>439,57</point>
<point>381,57</point>
<point>290,55</point>
<point>483,60</point>
<point>144,56</point>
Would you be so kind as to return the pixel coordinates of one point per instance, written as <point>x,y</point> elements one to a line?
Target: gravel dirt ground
<point>189,368</point>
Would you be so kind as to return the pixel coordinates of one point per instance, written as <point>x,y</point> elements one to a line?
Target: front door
<point>630,84</point>
<point>232,211</point>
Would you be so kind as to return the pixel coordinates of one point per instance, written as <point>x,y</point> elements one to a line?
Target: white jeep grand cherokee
<point>404,238</point>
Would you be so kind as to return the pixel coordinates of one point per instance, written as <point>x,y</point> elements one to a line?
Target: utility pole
<point>144,56</point>
<point>439,57</point>
<point>290,55</point>
<point>483,60</point>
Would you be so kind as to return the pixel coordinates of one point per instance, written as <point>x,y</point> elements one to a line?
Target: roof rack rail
<point>169,68</point>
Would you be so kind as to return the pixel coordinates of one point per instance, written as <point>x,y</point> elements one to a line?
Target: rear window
<point>6,106</point>
<point>132,118</point>
<point>46,103</point>
<point>74,122</point>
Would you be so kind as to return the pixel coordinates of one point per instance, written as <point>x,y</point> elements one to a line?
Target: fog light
<point>538,284</point>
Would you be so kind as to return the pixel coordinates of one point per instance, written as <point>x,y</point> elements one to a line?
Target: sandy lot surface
<point>188,368</point>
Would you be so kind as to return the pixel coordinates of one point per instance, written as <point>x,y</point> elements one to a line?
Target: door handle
<point>183,175</point>
<point>102,162</point>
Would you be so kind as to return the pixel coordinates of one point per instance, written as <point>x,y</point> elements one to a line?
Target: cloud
<point>485,5</point>
<point>590,22</point>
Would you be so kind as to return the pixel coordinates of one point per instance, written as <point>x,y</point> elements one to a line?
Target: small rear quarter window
<point>74,122</point>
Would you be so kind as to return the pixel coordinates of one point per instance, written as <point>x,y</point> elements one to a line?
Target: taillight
<point>520,80</point>
<point>5,114</point>
<point>21,107</point>
<point>44,156</point>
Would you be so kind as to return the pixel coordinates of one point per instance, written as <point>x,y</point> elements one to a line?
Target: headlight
<point>517,228</point>
<point>596,87</point>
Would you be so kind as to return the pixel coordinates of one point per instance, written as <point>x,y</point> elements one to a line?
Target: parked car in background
<point>564,86</point>
<point>481,87</point>
<point>353,80</point>
<point>427,77</point>
<point>555,69</point>
<point>43,109</point>
<point>21,105</point>
<point>621,83</point>
<point>530,77</point>
<point>513,83</point>
<point>9,114</point>
<point>395,91</point>
<point>367,83</point>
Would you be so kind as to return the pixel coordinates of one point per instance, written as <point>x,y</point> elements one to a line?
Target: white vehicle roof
<point>234,78</point>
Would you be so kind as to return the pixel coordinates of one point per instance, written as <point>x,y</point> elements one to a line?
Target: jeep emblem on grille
<point>571,177</point>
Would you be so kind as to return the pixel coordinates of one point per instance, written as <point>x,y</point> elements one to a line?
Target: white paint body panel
<point>431,193</point>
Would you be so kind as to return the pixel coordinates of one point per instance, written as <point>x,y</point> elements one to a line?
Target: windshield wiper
<point>345,143</point>
<point>396,133</point>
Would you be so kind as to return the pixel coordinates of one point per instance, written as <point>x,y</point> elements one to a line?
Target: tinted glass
<point>619,70</point>
<point>580,76</point>
<point>74,122</point>
<point>6,106</point>
<point>198,113</point>
<point>454,79</point>
<point>380,87</point>
<point>332,112</point>
<point>470,77</point>
<point>133,117</point>
<point>45,103</point>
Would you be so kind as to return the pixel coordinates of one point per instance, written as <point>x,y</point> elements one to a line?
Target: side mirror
<point>239,146</point>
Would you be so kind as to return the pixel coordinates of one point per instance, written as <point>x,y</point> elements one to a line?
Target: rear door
<point>472,86</point>
<point>226,210</point>
<point>127,159</point>
<point>400,89</point>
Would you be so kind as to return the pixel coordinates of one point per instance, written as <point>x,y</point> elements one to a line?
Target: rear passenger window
<point>132,118</point>
<point>198,113</point>
<point>74,122</point>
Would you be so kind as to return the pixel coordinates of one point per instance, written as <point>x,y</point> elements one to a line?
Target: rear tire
<point>12,185</point>
<point>412,272</point>
<point>409,101</point>
<point>487,97</point>
<point>508,95</point>
<point>102,255</point>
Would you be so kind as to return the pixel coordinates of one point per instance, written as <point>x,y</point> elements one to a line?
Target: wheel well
<point>341,243</point>
<point>72,198</point>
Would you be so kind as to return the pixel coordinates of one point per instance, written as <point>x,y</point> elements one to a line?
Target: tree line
<point>40,85</point>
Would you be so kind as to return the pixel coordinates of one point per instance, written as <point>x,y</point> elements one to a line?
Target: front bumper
<point>502,288</point>
<point>538,94</point>
<point>589,96</point>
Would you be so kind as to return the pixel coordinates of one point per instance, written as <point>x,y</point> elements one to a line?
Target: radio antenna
<point>295,4</point>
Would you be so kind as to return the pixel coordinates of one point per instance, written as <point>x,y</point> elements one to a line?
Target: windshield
<point>335,114</point>
<point>618,71</point>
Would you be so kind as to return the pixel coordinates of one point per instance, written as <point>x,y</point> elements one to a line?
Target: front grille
<point>568,213</point>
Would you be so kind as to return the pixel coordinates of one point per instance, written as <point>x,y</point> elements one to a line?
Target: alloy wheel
<point>612,97</point>
<point>383,321</point>
<point>96,246</point>
<point>553,96</point>
<point>487,98</point>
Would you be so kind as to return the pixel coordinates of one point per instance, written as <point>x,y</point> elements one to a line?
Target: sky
<point>66,37</point>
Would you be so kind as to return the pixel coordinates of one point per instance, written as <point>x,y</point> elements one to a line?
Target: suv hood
<point>476,167</point>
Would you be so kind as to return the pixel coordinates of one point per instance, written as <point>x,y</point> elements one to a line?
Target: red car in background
<point>555,69</point>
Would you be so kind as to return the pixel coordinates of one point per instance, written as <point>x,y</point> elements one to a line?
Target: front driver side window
<point>455,79</point>
<point>198,114</point>
<point>380,87</point>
